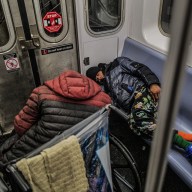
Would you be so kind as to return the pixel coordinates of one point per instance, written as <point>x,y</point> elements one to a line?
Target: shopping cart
<point>118,173</point>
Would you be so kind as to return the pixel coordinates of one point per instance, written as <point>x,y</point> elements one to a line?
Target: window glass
<point>104,15</point>
<point>52,17</point>
<point>4,34</point>
<point>166,15</point>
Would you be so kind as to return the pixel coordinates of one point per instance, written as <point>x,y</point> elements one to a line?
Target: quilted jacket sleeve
<point>139,70</point>
<point>28,115</point>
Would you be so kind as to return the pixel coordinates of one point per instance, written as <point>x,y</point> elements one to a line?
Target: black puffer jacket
<point>124,77</point>
<point>56,117</point>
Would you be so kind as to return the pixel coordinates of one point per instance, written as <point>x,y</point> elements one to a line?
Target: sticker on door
<point>52,21</point>
<point>11,62</point>
<point>50,50</point>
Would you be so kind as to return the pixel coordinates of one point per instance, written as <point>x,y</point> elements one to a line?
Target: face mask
<point>101,82</point>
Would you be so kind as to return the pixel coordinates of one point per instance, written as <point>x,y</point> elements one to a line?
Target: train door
<point>37,42</point>
<point>102,29</point>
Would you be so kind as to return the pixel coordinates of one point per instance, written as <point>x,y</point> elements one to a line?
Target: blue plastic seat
<point>155,61</point>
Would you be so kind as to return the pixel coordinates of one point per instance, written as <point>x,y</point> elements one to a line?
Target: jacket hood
<point>74,85</point>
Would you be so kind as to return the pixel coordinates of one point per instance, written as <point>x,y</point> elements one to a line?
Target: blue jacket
<point>124,77</point>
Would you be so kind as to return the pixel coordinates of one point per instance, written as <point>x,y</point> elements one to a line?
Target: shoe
<point>188,152</point>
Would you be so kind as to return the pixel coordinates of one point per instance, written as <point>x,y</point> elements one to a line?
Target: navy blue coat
<point>124,77</point>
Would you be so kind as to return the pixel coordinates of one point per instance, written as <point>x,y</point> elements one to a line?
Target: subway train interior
<point>39,39</point>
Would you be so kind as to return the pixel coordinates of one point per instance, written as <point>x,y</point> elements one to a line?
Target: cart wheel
<point>125,175</point>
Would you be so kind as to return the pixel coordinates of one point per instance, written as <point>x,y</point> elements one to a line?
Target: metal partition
<point>172,83</point>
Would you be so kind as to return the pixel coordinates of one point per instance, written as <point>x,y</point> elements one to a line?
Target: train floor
<point>140,152</point>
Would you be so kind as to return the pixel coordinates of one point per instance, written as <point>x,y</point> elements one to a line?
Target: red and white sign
<point>11,62</point>
<point>52,22</point>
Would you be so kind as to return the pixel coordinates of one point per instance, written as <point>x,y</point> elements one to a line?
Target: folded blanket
<point>57,169</point>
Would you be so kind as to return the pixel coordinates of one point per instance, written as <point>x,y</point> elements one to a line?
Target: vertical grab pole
<point>172,83</point>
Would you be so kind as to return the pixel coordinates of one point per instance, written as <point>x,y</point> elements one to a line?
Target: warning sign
<point>52,22</point>
<point>11,62</point>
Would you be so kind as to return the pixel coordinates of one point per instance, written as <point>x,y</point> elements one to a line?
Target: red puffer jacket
<point>69,87</point>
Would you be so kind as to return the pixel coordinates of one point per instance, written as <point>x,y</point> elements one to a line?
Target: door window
<point>165,17</point>
<point>52,17</point>
<point>7,33</point>
<point>53,25</point>
<point>4,34</point>
<point>104,15</point>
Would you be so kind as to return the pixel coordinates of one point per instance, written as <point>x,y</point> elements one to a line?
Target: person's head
<point>95,74</point>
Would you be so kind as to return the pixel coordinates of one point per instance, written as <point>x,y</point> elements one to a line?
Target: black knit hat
<point>92,72</point>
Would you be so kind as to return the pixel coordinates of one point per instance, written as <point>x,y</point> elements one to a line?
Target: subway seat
<point>155,61</point>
